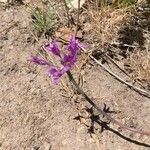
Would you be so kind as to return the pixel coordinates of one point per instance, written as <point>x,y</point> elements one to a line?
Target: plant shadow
<point>105,126</point>
<point>130,35</point>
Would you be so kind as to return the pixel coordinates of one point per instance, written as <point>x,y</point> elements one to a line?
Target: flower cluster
<point>67,60</point>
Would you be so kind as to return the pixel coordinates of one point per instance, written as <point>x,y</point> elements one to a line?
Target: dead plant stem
<point>118,77</point>
<point>121,69</point>
<point>78,15</point>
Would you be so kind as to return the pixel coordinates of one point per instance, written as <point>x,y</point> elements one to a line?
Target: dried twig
<point>112,120</point>
<point>77,25</point>
<point>8,27</point>
<point>121,69</point>
<point>121,44</point>
<point>112,61</point>
<point>119,78</point>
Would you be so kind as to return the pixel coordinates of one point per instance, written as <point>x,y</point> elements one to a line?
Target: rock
<point>47,146</point>
<point>36,148</point>
<point>74,3</point>
<point>3,1</point>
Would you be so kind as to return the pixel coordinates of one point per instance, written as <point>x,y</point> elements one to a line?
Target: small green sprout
<point>44,21</point>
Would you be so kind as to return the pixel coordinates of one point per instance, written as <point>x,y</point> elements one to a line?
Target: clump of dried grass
<point>141,67</point>
<point>106,22</point>
<point>140,63</point>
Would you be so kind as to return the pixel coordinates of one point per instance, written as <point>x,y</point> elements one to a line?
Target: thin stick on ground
<point>78,15</point>
<point>112,120</point>
<point>112,61</point>
<point>119,78</point>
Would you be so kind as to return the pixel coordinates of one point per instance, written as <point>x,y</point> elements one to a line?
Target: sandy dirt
<point>34,115</point>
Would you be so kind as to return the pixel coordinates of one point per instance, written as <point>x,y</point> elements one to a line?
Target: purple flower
<point>53,48</point>
<point>39,61</point>
<point>56,73</point>
<point>71,58</point>
<point>67,60</point>
<point>73,45</point>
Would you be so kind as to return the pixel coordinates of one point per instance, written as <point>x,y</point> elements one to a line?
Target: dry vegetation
<point>117,33</point>
<point>128,29</point>
<point>106,22</point>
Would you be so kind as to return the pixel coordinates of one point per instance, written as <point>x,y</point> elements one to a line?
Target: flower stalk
<point>112,120</point>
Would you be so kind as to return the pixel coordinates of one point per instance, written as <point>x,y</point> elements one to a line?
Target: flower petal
<point>53,48</point>
<point>39,61</point>
<point>73,45</point>
<point>56,73</point>
<point>69,60</point>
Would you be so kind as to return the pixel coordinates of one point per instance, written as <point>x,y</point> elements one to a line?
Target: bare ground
<point>33,114</point>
